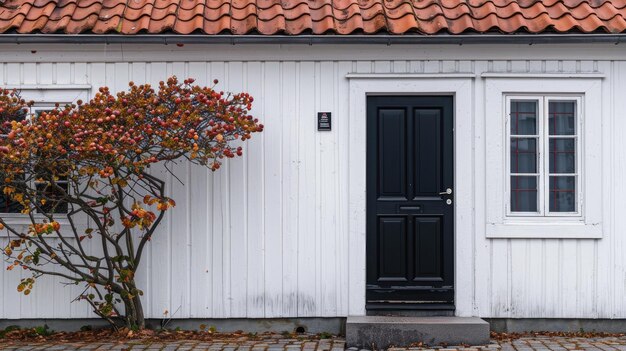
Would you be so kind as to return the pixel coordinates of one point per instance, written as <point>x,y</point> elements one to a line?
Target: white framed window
<point>543,155</point>
<point>13,208</point>
<point>45,97</point>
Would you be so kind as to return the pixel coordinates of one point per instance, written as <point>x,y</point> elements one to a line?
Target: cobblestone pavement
<point>274,343</point>
<point>535,343</point>
<point>281,344</point>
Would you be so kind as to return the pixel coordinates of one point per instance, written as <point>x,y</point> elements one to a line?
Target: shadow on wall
<point>333,325</point>
<point>515,325</point>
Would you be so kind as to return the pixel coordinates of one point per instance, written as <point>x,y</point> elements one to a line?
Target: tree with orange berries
<point>83,176</point>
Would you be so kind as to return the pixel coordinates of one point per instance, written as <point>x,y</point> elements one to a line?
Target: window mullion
<point>579,156</point>
<point>546,159</point>
<point>507,147</point>
<point>542,156</point>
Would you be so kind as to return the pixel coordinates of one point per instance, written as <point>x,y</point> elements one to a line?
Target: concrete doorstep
<point>381,332</point>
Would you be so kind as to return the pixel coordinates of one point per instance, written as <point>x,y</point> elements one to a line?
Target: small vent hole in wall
<point>300,330</point>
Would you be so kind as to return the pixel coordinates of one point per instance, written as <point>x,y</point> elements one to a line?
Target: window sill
<point>552,230</point>
<point>23,221</point>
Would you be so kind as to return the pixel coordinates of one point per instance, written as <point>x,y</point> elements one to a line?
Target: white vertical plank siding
<point>327,215</point>
<point>551,270</point>
<point>268,234</point>
<point>341,126</point>
<point>254,153</point>
<point>219,283</point>
<point>607,273</point>
<point>307,268</point>
<point>138,73</point>
<point>272,197</point>
<point>180,235</point>
<point>30,73</point>
<point>237,199</point>
<point>43,73</point>
<point>482,250</point>
<point>617,302</point>
<point>157,263</point>
<point>199,222</point>
<point>290,168</point>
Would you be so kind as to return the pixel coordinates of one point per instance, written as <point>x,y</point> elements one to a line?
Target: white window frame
<point>588,222</point>
<point>543,156</point>
<point>45,97</point>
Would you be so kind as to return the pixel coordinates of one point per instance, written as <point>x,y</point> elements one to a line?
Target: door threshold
<point>411,313</point>
<point>402,306</point>
<point>410,310</point>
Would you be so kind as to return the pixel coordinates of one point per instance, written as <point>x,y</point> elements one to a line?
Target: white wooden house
<point>473,162</point>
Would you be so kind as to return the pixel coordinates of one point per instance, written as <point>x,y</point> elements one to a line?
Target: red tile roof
<point>294,17</point>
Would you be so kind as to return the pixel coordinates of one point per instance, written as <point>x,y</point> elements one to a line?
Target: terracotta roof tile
<point>311,4</point>
<point>485,24</point>
<point>375,24</point>
<point>190,4</point>
<point>82,11</point>
<point>295,17</point>
<point>187,27</point>
<point>214,14</point>
<point>298,25</point>
<point>72,26</point>
<point>301,10</point>
<point>217,26</point>
<point>242,14</point>
<point>249,23</point>
<point>190,13</point>
<point>346,14</point>
<point>66,11</point>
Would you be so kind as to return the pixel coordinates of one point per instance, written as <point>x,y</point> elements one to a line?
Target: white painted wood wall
<point>267,235</point>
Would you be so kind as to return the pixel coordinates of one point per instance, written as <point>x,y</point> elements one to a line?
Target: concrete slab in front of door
<point>382,332</point>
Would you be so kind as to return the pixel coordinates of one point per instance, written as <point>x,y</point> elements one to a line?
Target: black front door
<point>410,209</point>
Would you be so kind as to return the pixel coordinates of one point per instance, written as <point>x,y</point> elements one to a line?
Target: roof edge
<point>387,39</point>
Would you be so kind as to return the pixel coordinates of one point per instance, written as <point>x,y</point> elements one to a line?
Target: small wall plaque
<point>323,121</point>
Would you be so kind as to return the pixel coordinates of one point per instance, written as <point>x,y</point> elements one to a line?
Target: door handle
<point>447,192</point>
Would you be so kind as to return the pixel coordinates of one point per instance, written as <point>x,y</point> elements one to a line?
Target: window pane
<point>524,117</point>
<point>523,155</point>
<point>562,117</point>
<point>562,155</point>
<point>53,197</point>
<point>38,111</point>
<point>7,205</point>
<point>523,194</point>
<point>563,194</point>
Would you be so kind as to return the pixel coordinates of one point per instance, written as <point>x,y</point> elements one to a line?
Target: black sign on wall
<point>323,121</point>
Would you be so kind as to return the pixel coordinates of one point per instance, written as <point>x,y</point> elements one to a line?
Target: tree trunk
<point>140,322</point>
<point>134,313</point>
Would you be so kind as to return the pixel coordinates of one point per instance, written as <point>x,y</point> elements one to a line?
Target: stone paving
<point>272,343</point>
<point>535,343</point>
<point>280,344</point>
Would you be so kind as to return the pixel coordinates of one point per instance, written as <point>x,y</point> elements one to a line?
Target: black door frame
<point>447,293</point>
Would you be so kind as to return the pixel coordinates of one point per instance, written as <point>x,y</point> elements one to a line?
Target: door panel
<point>391,146</point>
<point>410,234</point>
<point>428,263</point>
<point>427,151</point>
<point>392,249</point>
